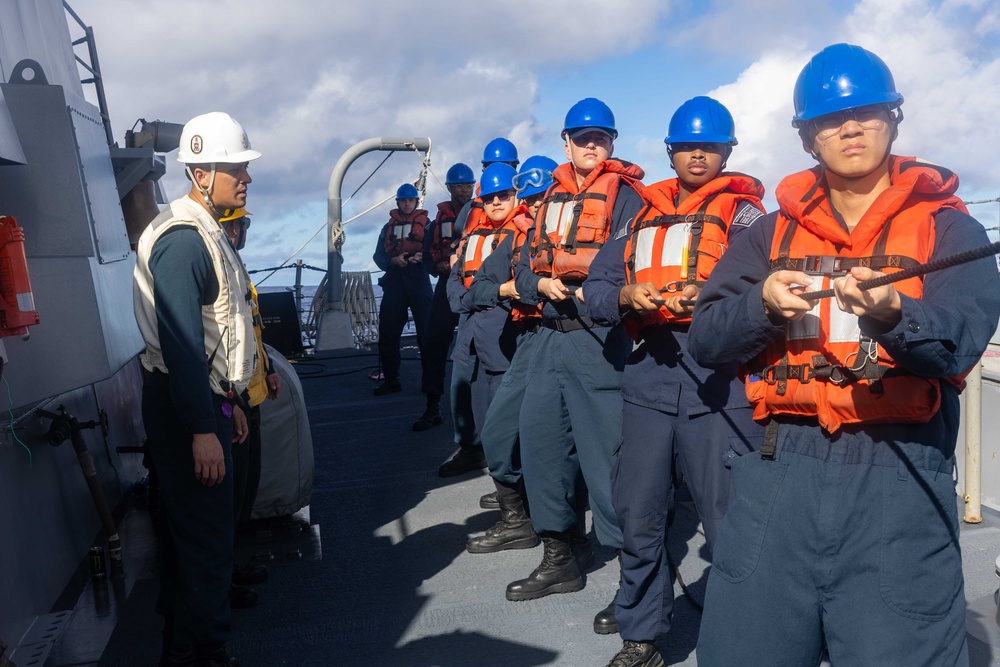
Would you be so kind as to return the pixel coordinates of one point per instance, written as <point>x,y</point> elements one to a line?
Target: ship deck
<point>374,570</point>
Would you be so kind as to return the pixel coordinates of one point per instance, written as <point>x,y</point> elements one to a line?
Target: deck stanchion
<point>973,443</point>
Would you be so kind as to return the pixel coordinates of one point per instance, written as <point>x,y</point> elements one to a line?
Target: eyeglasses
<point>502,196</point>
<point>869,118</point>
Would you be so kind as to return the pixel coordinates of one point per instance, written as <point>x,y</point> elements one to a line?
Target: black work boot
<point>513,531</point>
<point>214,655</point>
<point>173,655</point>
<point>605,622</point>
<point>388,386</point>
<point>432,414</point>
<point>557,572</point>
<point>466,459</point>
<point>637,654</point>
<point>489,501</point>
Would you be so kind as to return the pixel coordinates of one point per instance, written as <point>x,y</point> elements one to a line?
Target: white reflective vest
<point>228,321</point>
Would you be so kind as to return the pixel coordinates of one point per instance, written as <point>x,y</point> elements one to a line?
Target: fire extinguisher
<point>17,305</point>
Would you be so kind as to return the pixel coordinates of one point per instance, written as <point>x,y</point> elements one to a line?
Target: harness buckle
<point>822,265</point>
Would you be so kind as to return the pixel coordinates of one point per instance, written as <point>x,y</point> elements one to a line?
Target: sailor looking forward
<point>843,532</point>
<point>192,304</point>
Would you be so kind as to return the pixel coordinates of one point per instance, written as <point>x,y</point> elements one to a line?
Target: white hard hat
<point>214,137</point>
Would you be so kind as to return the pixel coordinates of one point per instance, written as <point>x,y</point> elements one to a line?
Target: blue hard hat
<point>459,173</point>
<point>499,150</point>
<point>535,176</point>
<point>407,191</point>
<point>496,178</point>
<point>701,120</point>
<point>590,112</point>
<point>842,76</point>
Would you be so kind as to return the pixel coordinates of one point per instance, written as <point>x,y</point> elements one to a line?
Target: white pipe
<point>973,443</point>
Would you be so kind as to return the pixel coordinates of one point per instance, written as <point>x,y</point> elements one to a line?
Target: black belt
<point>569,323</point>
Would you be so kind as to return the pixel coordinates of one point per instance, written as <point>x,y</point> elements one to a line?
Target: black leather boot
<point>557,572</point>
<point>214,655</point>
<point>637,654</point>
<point>173,655</point>
<point>489,501</point>
<point>513,531</point>
<point>432,414</point>
<point>605,622</point>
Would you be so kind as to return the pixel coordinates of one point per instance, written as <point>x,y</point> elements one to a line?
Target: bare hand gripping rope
<point>935,265</point>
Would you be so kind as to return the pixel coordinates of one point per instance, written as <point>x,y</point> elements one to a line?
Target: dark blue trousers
<point>500,428</point>
<point>848,542</point>
<point>436,340</point>
<point>197,553</point>
<point>642,489</point>
<point>463,420</point>
<point>396,299</point>
<point>571,386</point>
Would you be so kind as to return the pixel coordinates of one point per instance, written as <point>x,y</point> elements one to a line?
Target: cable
<point>387,156</point>
<point>919,270</point>
<point>10,411</point>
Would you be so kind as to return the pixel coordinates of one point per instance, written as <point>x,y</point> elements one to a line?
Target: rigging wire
<point>425,161</point>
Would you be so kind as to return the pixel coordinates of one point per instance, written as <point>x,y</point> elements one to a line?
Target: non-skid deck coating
<point>375,572</point>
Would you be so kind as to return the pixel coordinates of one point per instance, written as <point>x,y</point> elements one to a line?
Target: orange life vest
<point>574,222</point>
<point>825,367</point>
<point>440,245</point>
<point>482,238</point>
<point>476,218</point>
<point>673,246</point>
<point>404,235</point>
<point>519,311</point>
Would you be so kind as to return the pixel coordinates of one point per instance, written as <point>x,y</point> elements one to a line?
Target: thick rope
<point>919,270</point>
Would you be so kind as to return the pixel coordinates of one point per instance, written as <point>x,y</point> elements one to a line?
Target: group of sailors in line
<point>614,337</point>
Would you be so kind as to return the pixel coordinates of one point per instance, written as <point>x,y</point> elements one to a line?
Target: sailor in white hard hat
<point>192,304</point>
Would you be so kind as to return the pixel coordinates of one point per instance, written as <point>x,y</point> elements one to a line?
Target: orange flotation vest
<point>476,218</point>
<point>673,246</point>
<point>482,237</point>
<point>522,312</point>
<point>574,222</point>
<point>825,367</point>
<point>443,235</point>
<point>404,235</point>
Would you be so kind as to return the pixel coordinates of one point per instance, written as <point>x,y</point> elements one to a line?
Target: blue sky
<point>309,79</point>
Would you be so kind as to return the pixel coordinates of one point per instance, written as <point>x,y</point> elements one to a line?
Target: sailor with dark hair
<point>843,534</point>
<point>192,306</point>
<point>677,416</point>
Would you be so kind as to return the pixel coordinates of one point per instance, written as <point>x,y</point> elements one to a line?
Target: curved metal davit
<point>334,330</point>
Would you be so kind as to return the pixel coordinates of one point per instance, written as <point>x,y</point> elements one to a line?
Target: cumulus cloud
<point>310,79</point>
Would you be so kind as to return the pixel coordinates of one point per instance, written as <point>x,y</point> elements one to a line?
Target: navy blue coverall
<point>847,540</point>
<point>441,321</point>
<point>500,424</point>
<point>574,383</point>
<point>674,409</point>
<point>402,288</point>
<point>197,551</point>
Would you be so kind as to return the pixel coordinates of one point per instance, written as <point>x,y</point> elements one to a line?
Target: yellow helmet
<point>234,214</point>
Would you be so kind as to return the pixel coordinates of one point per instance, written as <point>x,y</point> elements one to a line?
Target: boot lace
<point>629,655</point>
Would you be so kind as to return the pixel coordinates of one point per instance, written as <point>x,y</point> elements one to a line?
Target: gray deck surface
<point>374,571</point>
